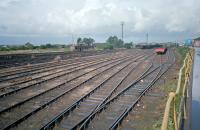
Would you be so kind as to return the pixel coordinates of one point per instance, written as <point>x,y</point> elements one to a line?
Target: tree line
<point>29,46</point>
<point>114,42</point>
<point>111,43</point>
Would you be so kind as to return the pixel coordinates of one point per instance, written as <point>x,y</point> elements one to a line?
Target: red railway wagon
<point>161,50</point>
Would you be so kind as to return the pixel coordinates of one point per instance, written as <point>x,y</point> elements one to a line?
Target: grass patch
<point>104,46</point>
<point>181,54</point>
<point>171,86</point>
<point>157,125</point>
<point>37,51</point>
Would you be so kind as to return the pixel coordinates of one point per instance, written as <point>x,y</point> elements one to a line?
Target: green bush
<point>181,54</point>
<point>29,46</point>
<point>104,46</point>
<point>128,45</point>
<point>108,47</point>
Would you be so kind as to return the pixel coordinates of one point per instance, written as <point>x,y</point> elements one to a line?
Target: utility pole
<point>73,39</point>
<point>147,36</point>
<point>122,24</point>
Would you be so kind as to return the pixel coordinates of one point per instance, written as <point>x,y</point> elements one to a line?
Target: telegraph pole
<point>73,39</point>
<point>147,36</point>
<point>122,24</point>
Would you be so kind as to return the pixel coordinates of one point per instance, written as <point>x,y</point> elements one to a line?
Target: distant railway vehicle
<point>82,47</point>
<point>161,50</point>
<point>147,46</point>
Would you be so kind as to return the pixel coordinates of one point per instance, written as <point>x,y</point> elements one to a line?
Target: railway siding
<point>70,66</point>
<point>60,104</point>
<point>29,106</point>
<point>31,83</point>
<point>97,98</point>
<point>120,110</point>
<point>32,91</point>
<point>94,92</point>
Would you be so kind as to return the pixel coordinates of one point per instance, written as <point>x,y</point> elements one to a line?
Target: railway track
<point>12,73</point>
<point>128,121</point>
<point>94,95</point>
<point>93,101</point>
<point>43,98</point>
<point>18,79</point>
<point>7,89</point>
<point>13,60</point>
<point>112,113</point>
<point>30,91</point>
<point>35,66</point>
<point>100,108</point>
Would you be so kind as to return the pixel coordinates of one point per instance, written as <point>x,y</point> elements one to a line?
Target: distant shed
<point>196,42</point>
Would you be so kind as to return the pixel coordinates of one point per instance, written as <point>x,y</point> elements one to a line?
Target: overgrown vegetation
<point>29,46</point>
<point>171,86</point>
<point>113,42</point>
<point>104,46</point>
<point>87,41</point>
<point>128,45</point>
<point>181,54</point>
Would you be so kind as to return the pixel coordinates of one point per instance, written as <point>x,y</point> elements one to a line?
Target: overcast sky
<point>54,21</point>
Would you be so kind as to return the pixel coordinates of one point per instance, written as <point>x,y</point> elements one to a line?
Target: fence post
<point>184,74</point>
<point>167,109</point>
<point>175,118</point>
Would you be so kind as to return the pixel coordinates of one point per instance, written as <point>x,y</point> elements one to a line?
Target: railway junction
<point>99,90</point>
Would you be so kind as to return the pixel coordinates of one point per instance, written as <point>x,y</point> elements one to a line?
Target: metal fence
<point>175,110</point>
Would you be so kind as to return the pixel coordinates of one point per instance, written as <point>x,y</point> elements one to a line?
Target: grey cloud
<point>99,17</point>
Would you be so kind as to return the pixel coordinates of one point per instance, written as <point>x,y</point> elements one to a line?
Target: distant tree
<point>113,40</point>
<point>88,41</point>
<point>128,45</point>
<point>119,43</point>
<point>63,46</point>
<point>91,41</point>
<point>79,40</point>
<point>48,45</point>
<point>108,47</point>
<point>28,45</point>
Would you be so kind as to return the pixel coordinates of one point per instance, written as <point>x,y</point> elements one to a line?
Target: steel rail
<point>20,120</point>
<point>121,117</point>
<point>28,72</point>
<point>72,67</point>
<point>42,81</point>
<point>48,57</point>
<point>19,68</point>
<point>126,112</point>
<point>31,113</point>
<point>107,97</point>
<point>40,70</point>
<point>74,105</point>
<point>19,103</point>
<point>143,75</point>
<point>51,55</point>
<point>48,64</point>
